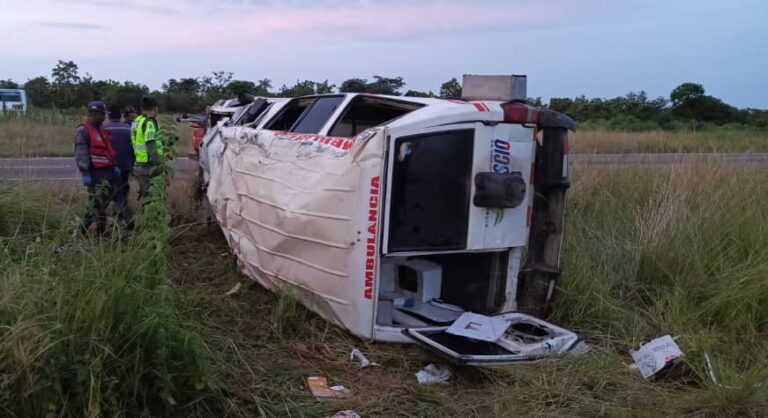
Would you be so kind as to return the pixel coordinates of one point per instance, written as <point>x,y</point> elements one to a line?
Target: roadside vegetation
<point>650,251</point>
<point>687,107</point>
<point>50,133</point>
<point>714,140</point>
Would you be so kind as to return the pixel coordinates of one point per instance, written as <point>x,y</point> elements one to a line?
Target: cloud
<point>255,26</point>
<point>72,25</point>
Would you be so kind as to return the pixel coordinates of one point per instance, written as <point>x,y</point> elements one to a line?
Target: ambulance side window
<point>314,118</point>
<point>366,112</point>
<point>289,115</point>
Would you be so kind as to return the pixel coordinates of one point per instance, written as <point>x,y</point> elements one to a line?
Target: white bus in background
<point>13,100</point>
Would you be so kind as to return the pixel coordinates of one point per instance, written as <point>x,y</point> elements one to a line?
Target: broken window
<point>431,182</point>
<point>314,118</point>
<point>368,111</point>
<point>290,114</point>
<point>306,115</point>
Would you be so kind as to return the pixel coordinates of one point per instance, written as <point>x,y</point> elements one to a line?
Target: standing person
<point>147,145</point>
<point>121,142</point>
<point>129,115</point>
<point>97,161</point>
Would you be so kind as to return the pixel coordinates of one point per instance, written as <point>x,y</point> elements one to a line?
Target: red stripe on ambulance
<point>479,107</point>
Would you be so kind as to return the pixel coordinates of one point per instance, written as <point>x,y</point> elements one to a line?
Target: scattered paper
<point>479,327</point>
<point>318,385</point>
<point>233,290</point>
<point>656,355</point>
<point>434,374</point>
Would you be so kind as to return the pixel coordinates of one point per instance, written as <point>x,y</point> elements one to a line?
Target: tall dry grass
<point>50,133</point>
<point>91,326</point>
<point>615,142</point>
<point>679,250</point>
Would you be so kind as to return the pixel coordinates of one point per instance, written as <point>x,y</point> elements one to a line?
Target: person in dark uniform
<point>121,142</point>
<point>97,161</point>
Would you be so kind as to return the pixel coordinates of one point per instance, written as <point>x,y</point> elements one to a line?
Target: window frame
<point>353,101</point>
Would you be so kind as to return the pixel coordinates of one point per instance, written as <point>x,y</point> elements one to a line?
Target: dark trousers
<point>122,191</point>
<point>99,196</point>
<point>144,174</point>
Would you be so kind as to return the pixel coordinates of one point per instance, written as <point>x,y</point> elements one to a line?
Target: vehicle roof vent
<point>506,88</point>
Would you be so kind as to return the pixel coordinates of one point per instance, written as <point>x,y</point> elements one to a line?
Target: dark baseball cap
<point>97,106</point>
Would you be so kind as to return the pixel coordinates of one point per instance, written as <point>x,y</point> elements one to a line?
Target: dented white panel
<point>302,211</point>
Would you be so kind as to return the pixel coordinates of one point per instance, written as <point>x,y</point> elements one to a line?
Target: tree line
<point>688,105</point>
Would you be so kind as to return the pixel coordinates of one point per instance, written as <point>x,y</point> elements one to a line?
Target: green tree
<point>8,84</point>
<point>416,93</point>
<point>384,85</point>
<point>306,88</point>
<point>354,85</point>
<point>38,91</point>
<point>65,84</point>
<point>451,89</point>
<point>301,88</point>
<point>689,101</point>
<point>236,87</point>
<point>324,88</point>
<point>379,85</point>
<point>685,93</point>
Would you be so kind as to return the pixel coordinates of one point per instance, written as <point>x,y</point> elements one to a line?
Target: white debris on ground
<point>359,356</point>
<point>434,374</point>
<point>656,355</point>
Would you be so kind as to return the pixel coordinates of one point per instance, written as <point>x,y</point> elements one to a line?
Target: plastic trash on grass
<point>656,355</point>
<point>318,385</point>
<point>434,374</point>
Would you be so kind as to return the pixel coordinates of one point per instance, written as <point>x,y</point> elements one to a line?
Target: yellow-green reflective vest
<point>144,129</point>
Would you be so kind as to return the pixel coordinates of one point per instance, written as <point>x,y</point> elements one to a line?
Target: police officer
<point>97,161</point>
<point>147,145</point>
<point>121,142</point>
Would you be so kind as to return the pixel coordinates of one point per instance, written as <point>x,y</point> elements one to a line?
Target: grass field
<point>679,250</point>
<point>49,133</point>
<point>612,142</point>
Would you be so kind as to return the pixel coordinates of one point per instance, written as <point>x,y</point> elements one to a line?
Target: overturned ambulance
<point>393,216</point>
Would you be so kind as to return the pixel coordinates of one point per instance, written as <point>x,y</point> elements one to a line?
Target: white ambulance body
<point>392,216</point>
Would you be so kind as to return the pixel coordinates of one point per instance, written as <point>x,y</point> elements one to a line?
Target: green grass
<point>650,251</point>
<point>88,326</point>
<point>717,141</point>
<point>50,133</point>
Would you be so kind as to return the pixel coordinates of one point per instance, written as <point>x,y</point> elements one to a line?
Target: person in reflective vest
<point>97,161</point>
<point>147,145</point>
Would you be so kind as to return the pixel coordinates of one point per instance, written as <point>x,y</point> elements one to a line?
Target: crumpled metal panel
<point>302,212</point>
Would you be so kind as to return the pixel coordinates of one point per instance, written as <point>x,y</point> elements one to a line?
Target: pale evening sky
<point>566,47</point>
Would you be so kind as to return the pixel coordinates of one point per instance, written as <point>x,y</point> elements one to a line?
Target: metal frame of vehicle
<point>334,219</point>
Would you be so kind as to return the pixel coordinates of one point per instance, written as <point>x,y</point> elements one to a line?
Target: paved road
<point>63,168</point>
